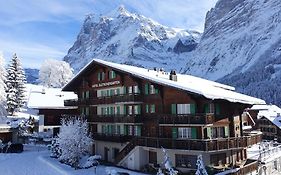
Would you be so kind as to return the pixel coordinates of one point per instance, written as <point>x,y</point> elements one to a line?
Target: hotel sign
<point>106,84</point>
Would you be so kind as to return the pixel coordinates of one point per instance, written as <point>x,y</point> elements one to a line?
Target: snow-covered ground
<point>35,160</point>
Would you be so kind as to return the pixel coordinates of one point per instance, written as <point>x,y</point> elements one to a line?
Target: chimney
<point>173,75</point>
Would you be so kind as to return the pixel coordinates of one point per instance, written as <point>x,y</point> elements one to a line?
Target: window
<point>87,111</point>
<point>130,112</point>
<point>101,76</point>
<point>184,132</point>
<point>186,161</point>
<point>87,94</point>
<point>130,89</point>
<point>152,89</point>
<point>185,108</point>
<point>111,74</point>
<point>218,132</point>
<point>152,108</point>
<point>136,89</point>
<point>137,109</point>
<point>210,108</point>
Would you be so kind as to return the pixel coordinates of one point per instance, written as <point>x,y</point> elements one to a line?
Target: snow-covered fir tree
<point>2,87</point>
<point>168,164</point>
<point>15,85</point>
<point>55,73</point>
<point>200,166</point>
<point>74,141</point>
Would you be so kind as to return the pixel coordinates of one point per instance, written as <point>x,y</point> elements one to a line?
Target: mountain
<point>31,75</point>
<point>125,37</point>
<point>241,46</point>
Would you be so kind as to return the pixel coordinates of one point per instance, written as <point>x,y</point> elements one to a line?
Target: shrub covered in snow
<point>55,73</point>
<point>74,141</point>
<point>91,161</point>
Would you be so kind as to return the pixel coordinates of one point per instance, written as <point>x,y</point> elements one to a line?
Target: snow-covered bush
<point>55,149</point>
<point>55,73</point>
<point>2,87</point>
<point>74,141</point>
<point>91,161</point>
<point>15,85</point>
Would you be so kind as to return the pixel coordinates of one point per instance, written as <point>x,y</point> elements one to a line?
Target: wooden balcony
<point>200,145</point>
<point>111,137</point>
<point>116,118</point>
<point>186,118</point>
<point>249,167</point>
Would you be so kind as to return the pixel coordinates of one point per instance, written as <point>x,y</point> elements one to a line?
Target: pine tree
<point>168,164</point>
<point>200,166</point>
<point>15,85</point>
<point>2,87</point>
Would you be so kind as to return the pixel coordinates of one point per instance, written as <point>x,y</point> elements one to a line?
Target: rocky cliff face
<point>129,38</point>
<point>241,46</point>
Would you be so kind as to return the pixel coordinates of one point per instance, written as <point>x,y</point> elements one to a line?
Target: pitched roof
<point>209,89</point>
<point>40,97</point>
<point>270,112</point>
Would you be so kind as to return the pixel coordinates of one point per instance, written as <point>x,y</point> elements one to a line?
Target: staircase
<point>126,150</point>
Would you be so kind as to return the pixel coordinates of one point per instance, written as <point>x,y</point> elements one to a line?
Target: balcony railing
<point>116,118</point>
<point>186,118</point>
<point>111,137</point>
<point>191,144</point>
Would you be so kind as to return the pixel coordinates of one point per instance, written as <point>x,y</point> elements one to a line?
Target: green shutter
<point>193,133</point>
<point>209,132</point>
<point>118,110</point>
<point>111,110</point>
<point>125,130</point>
<point>113,74</point>
<point>146,89</point>
<point>192,109</point>
<point>174,108</point>
<point>99,76</point>
<point>109,129</point>
<point>156,91</point>
<point>138,130</point>
<point>226,131</point>
<point>139,109</point>
<point>174,133</point>
<point>124,90</point>
<point>107,92</point>
<point>118,91</point>
<point>206,108</point>
<point>218,109</point>
<point>125,110</point>
<point>147,108</point>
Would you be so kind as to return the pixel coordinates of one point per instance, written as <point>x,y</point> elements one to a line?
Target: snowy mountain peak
<point>125,37</point>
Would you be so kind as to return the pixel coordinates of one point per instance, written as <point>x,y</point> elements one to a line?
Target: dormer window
<point>101,76</point>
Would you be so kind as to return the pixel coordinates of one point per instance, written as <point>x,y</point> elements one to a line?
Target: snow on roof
<point>272,113</point>
<point>40,97</point>
<point>209,89</point>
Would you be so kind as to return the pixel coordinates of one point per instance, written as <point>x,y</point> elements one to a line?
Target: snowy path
<point>35,160</point>
<point>26,163</point>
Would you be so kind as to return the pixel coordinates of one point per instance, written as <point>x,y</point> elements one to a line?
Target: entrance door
<point>106,154</point>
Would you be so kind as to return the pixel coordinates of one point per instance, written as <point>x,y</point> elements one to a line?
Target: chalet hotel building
<point>133,112</point>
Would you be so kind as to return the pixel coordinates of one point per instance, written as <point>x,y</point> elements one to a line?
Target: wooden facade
<point>52,117</point>
<point>124,108</point>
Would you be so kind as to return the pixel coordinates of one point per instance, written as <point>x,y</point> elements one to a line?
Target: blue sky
<point>41,29</point>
